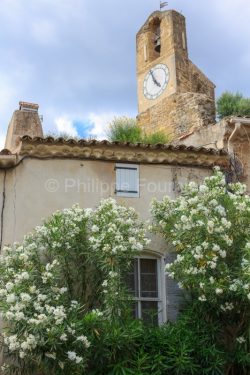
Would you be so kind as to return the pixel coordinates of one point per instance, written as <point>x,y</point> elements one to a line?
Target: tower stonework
<point>174,96</point>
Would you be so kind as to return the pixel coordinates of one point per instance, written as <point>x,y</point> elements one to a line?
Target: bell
<point>158,44</point>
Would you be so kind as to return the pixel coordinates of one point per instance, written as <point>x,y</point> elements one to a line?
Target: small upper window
<point>127,180</point>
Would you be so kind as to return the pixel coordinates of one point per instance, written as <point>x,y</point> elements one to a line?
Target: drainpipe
<point>230,148</point>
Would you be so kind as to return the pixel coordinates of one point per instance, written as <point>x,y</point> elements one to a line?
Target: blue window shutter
<point>127,180</point>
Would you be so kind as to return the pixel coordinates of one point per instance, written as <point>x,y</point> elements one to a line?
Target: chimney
<point>25,121</point>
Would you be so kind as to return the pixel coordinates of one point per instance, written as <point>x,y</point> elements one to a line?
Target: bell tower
<point>174,96</point>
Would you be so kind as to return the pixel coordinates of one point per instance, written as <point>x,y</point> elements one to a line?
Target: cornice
<point>49,147</point>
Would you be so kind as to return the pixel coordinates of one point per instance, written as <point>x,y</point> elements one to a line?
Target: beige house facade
<point>41,175</point>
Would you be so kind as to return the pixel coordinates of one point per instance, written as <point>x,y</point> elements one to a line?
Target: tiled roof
<point>5,151</point>
<point>60,148</point>
<point>238,116</point>
<point>93,142</point>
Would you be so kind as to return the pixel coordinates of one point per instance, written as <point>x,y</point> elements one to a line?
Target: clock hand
<point>154,79</point>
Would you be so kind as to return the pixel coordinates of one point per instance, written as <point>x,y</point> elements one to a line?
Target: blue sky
<point>76,58</point>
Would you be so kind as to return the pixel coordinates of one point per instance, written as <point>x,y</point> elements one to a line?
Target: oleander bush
<point>66,309</point>
<point>209,226</point>
<point>69,268</point>
<point>185,347</point>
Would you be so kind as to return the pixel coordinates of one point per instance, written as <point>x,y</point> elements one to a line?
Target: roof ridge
<point>94,142</point>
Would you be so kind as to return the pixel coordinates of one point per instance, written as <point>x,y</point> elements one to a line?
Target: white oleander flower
<point>24,276</point>
<point>32,289</point>
<point>113,274</point>
<point>11,298</point>
<point>41,297</point>
<point>3,292</point>
<point>97,312</point>
<point>211,279</point>
<point>213,265</point>
<point>63,290</point>
<point>218,291</point>
<point>202,298</point>
<point>9,286</point>
<point>25,297</point>
<point>184,219</point>
<point>180,285</point>
<point>241,340</point>
<point>78,359</point>
<point>71,355</point>
<point>223,253</point>
<point>95,229</point>
<point>51,355</point>
<point>19,316</point>
<point>216,247</point>
<point>84,340</point>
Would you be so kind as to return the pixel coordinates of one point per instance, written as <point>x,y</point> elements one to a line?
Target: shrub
<point>155,138</point>
<point>209,227</point>
<point>185,347</point>
<point>68,268</point>
<point>233,104</point>
<point>125,129</point>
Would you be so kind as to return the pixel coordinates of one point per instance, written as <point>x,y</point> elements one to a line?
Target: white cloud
<point>100,122</point>
<point>65,125</point>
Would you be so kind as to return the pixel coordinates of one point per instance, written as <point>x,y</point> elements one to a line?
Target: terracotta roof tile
<point>94,142</point>
<point>5,151</point>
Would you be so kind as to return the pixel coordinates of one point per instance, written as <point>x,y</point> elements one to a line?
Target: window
<point>127,180</point>
<point>146,284</point>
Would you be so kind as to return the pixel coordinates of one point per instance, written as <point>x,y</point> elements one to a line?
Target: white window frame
<point>161,282</point>
<point>126,193</point>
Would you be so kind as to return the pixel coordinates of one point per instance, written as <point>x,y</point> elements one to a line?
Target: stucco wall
<point>37,188</point>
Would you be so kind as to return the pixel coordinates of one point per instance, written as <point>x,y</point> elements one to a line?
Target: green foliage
<point>209,227</point>
<point>155,138</point>
<point>125,129</point>
<point>66,309</point>
<point>233,104</point>
<point>185,347</point>
<point>63,135</point>
<point>69,268</point>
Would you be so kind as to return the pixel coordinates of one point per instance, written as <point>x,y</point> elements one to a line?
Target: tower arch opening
<point>155,36</point>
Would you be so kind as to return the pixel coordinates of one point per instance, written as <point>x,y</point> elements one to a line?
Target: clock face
<point>156,81</point>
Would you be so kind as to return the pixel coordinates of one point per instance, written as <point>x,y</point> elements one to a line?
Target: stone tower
<point>174,96</point>
<point>25,121</point>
